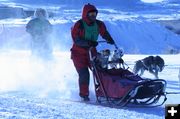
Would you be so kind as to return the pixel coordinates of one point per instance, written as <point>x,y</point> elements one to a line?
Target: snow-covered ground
<point>31,87</point>
<point>34,88</point>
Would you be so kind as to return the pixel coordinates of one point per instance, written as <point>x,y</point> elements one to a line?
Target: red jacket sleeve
<point>103,31</point>
<point>76,31</point>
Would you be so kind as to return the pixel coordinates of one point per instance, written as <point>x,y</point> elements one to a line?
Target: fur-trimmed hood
<point>87,8</point>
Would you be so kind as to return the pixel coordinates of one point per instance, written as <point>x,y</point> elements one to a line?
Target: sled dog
<point>116,60</point>
<point>109,60</point>
<point>153,64</point>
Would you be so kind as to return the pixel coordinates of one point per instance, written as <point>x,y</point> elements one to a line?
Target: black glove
<point>108,38</point>
<point>111,42</point>
<point>85,43</point>
<point>93,43</point>
<point>82,43</point>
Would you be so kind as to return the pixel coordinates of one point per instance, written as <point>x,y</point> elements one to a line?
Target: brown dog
<point>153,64</point>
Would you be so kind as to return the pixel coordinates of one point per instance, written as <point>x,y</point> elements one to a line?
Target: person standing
<point>40,29</point>
<point>85,34</point>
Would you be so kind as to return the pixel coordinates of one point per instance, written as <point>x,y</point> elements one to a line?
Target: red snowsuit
<point>79,50</point>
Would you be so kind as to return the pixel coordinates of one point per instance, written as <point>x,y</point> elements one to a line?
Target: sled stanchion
<point>102,41</point>
<point>116,46</point>
<point>95,70</point>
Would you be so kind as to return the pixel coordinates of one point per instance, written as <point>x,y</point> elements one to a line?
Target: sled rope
<point>172,92</point>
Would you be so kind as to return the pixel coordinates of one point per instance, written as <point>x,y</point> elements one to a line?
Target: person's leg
<point>46,50</point>
<point>84,82</point>
<point>81,64</point>
<point>35,46</point>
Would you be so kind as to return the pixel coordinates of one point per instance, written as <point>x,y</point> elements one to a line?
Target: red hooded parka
<point>79,54</point>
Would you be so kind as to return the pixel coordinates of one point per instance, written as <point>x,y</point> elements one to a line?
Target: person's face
<point>40,14</point>
<point>92,16</point>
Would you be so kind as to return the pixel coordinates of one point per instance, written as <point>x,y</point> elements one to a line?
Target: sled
<point>120,87</point>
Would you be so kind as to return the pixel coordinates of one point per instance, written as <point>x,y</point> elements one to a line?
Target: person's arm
<point>29,26</point>
<point>49,27</point>
<point>104,33</point>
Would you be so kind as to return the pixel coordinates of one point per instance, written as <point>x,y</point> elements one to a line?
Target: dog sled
<point>116,85</point>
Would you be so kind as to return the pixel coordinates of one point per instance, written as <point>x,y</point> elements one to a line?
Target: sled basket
<point>122,88</point>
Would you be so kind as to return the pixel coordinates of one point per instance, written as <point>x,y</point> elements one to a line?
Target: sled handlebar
<point>116,46</point>
<point>107,42</point>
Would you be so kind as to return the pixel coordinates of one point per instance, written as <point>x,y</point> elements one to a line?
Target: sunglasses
<point>92,14</point>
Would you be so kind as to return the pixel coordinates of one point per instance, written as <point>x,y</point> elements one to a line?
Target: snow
<point>29,107</point>
<point>34,88</point>
<point>31,87</point>
<point>151,1</point>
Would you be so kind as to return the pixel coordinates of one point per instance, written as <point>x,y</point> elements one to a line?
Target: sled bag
<point>116,82</point>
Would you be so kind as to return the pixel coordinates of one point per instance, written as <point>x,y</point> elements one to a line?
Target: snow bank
<point>10,12</point>
<point>134,36</point>
<point>145,37</point>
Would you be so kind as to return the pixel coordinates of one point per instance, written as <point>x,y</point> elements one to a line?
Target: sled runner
<point>116,85</point>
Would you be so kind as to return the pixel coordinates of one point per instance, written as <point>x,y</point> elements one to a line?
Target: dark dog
<point>152,64</point>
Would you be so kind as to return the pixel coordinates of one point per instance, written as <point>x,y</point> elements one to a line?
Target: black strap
<point>81,24</point>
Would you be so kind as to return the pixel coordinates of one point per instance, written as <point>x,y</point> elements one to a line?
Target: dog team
<point>152,64</point>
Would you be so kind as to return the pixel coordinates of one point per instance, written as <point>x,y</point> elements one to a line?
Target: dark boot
<point>85,98</point>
